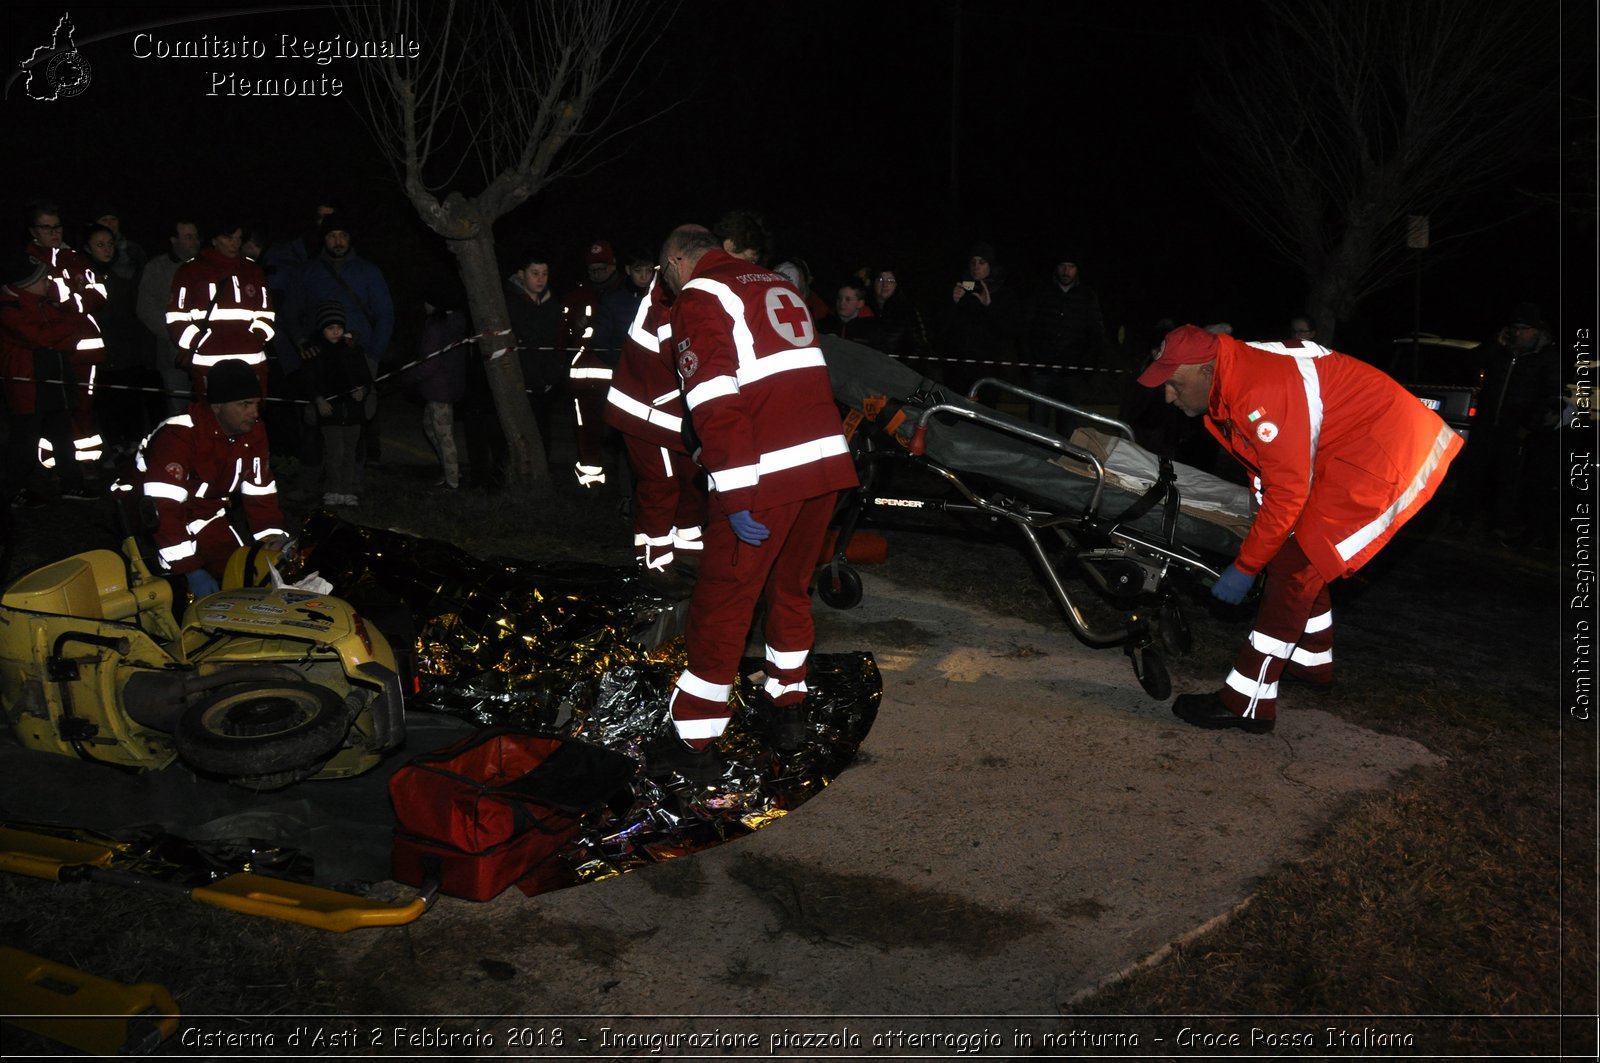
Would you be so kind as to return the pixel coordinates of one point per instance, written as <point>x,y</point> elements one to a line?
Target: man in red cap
<point>1341,457</point>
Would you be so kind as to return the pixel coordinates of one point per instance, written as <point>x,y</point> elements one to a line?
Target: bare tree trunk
<point>527,465</point>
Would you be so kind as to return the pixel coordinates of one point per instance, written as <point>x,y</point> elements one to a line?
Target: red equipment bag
<point>487,811</point>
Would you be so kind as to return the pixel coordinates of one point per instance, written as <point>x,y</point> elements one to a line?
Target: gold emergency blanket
<point>570,649</point>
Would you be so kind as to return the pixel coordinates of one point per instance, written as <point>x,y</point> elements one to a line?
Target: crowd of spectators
<point>118,339</point>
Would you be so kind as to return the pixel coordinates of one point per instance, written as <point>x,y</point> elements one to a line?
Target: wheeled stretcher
<point>1125,518</point>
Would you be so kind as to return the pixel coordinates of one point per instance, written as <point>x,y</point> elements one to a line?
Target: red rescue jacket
<point>192,472</point>
<point>1343,455</point>
<point>645,400</point>
<point>756,387</point>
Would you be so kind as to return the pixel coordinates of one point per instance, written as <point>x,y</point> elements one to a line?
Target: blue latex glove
<point>202,583</point>
<point>1232,585</point>
<point>747,528</point>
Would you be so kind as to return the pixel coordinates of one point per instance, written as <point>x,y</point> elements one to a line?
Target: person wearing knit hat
<point>1064,345</point>
<point>329,314</point>
<point>337,373</point>
<point>23,272</point>
<point>1342,456</point>
<point>207,473</point>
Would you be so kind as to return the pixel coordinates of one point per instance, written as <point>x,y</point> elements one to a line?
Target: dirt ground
<point>1023,828</point>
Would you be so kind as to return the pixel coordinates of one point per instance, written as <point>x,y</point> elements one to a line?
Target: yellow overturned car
<point>263,686</point>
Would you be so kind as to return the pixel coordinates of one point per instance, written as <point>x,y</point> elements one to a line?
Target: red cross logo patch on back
<point>789,317</point>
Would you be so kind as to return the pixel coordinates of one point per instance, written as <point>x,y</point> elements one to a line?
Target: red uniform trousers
<point>733,575</point>
<point>669,504</point>
<point>1293,634</point>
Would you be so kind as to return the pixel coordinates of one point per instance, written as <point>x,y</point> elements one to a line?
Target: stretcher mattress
<point>1214,515</point>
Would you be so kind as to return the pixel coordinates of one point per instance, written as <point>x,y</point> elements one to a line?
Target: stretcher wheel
<point>1174,627</point>
<point>1151,668</point>
<point>263,730</point>
<point>839,586</point>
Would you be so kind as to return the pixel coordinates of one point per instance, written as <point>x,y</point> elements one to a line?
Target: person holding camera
<point>979,329</point>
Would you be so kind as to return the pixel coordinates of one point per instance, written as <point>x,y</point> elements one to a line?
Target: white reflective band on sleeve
<point>88,455</point>
<point>201,491</point>
<point>693,685</point>
<point>157,489</point>
<point>773,364</point>
<point>715,388</point>
<point>175,316</point>
<point>586,373</point>
<point>803,454</point>
<point>267,533</point>
<point>641,539</point>
<point>248,488</point>
<point>1311,660</point>
<point>176,553</point>
<point>636,330</point>
<point>88,441</point>
<point>786,660</point>
<point>687,539</point>
<point>1320,622</point>
<point>195,527</point>
<point>1356,543</point>
<point>734,479</point>
<point>186,338</point>
<point>628,404</point>
<point>265,328</point>
<point>91,343</point>
<point>1270,646</point>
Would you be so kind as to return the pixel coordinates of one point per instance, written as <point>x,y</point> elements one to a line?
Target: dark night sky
<point>1076,135</point>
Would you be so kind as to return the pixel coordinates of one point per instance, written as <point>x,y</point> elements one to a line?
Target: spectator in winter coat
<point>905,331</point>
<point>979,326</point>
<point>340,275</point>
<point>155,288</point>
<point>338,375</point>
<point>440,377</point>
<point>536,321</point>
<point>1064,342</point>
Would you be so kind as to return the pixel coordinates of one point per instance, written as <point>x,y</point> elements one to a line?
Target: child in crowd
<point>338,380</point>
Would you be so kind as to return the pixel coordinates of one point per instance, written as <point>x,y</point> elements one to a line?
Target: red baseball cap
<point>600,251</point>
<point>1184,345</point>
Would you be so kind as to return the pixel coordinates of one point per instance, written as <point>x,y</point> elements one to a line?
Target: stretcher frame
<point>1129,564</point>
